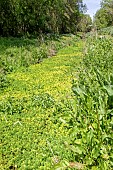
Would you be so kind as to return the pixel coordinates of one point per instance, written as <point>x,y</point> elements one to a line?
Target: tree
<point>34,16</point>
<point>85,23</point>
<point>104,17</point>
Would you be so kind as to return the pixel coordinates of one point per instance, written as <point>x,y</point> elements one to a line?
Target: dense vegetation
<point>16,53</point>
<point>104,16</point>
<point>33,116</point>
<point>18,17</point>
<point>94,106</point>
<point>45,124</point>
<point>56,91</point>
<point>106,31</point>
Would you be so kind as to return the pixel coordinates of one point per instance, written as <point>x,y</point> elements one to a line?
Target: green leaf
<point>95,152</point>
<point>77,149</point>
<point>78,141</point>
<point>109,89</point>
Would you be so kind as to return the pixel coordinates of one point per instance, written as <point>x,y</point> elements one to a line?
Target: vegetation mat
<point>35,122</point>
<point>58,114</point>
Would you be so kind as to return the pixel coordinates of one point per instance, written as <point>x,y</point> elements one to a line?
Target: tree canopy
<point>85,23</point>
<point>104,16</point>
<point>35,16</point>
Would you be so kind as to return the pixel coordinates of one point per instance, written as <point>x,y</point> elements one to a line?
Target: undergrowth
<point>106,31</point>
<point>35,116</point>
<point>23,52</point>
<point>45,125</point>
<point>94,106</point>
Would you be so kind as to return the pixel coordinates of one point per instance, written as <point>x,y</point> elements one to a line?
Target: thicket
<point>18,17</point>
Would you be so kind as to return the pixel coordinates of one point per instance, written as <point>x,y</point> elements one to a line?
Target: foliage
<point>34,114</point>
<point>103,17</point>
<point>34,17</point>
<point>106,31</point>
<point>85,23</point>
<point>45,125</point>
<point>94,106</point>
<point>22,52</point>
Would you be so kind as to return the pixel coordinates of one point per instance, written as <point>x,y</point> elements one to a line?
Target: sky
<point>93,6</point>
